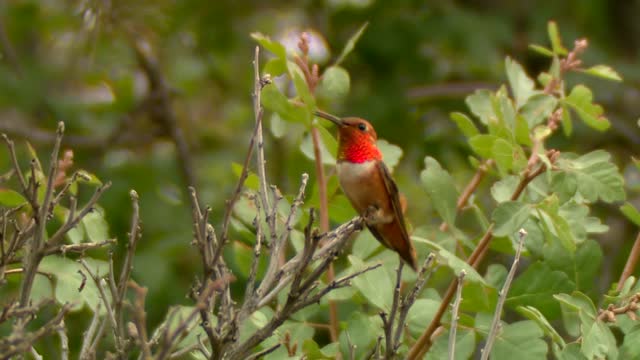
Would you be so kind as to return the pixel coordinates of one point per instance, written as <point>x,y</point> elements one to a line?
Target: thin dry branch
<point>502,297</point>
<point>454,316</point>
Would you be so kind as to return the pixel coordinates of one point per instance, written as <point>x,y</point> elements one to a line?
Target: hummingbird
<point>367,183</point>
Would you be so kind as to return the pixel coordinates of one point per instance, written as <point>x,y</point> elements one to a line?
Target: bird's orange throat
<point>358,148</point>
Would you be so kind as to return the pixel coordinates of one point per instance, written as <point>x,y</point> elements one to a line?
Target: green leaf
<point>578,311</point>
<point>521,340</point>
<point>95,226</point>
<point>509,217</point>
<point>480,105</point>
<point>534,314</point>
<point>451,261</point>
<point>362,332</point>
<point>522,131</point>
<point>581,101</point>
<point>465,345</point>
<point>603,71</point>
<point>630,348</point>
<point>300,83</point>
<point>10,198</point>
<point>478,298</point>
<point>631,213</point>
<point>564,185</point>
<point>483,144</point>
<point>541,50</point>
<point>503,189</point>
<point>536,286</point>
<point>374,285</point>
<point>86,177</point>
<point>391,153</point>
<point>554,37</point>
<point>252,182</point>
<point>521,85</point>
<point>554,224</point>
<point>306,146</point>
<point>597,176</point>
<point>567,123</point>
<point>571,352</point>
<point>275,67</point>
<point>76,233</point>
<point>538,108</point>
<point>598,342</point>
<point>274,100</point>
<point>68,281</point>
<point>351,43</point>
<point>275,47</point>
<point>440,187</point>
<point>508,156</point>
<point>422,312</point>
<point>179,316</point>
<point>582,266</point>
<point>334,84</point>
<point>465,124</point>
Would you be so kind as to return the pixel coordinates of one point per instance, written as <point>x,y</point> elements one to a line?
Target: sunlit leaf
<point>10,198</point>
<point>521,85</point>
<point>334,84</point>
<point>603,71</point>
<point>581,101</point>
<point>466,125</point>
<point>275,47</point>
<point>554,37</point>
<point>480,105</point>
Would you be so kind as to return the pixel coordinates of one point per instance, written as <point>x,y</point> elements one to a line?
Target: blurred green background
<point>73,61</point>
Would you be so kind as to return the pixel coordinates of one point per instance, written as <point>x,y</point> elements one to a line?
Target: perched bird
<point>367,183</point>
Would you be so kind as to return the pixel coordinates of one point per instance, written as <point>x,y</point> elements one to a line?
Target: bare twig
<point>64,341</point>
<point>87,351</point>
<point>34,255</point>
<point>454,316</point>
<point>630,308</point>
<point>410,298</point>
<point>140,318</point>
<point>171,337</point>
<point>264,352</point>
<point>495,324</point>
<point>163,113</point>
<point>390,348</point>
<point>127,266</point>
<point>15,344</point>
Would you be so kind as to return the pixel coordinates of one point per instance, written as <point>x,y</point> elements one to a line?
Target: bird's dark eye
<point>362,127</point>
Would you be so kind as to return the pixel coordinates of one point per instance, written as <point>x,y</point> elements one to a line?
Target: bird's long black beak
<point>334,119</point>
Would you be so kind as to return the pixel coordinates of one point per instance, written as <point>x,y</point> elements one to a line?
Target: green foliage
<point>380,71</point>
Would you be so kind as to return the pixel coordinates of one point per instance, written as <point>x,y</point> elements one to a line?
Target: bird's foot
<point>374,215</point>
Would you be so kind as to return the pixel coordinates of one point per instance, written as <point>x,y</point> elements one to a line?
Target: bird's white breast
<point>352,178</point>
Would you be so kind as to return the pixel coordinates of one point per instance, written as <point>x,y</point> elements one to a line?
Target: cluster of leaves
<point>548,193</point>
<point>554,209</point>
